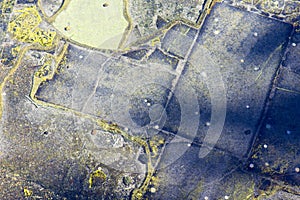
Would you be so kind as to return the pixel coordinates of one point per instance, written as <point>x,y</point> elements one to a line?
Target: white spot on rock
<point>256,68</point>
<point>268,126</point>
<point>217,32</point>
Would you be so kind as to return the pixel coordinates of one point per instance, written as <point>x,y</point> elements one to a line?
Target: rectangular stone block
<point>231,70</point>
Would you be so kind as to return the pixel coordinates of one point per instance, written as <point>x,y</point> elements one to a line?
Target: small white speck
<point>268,126</point>
<point>126,129</point>
<point>226,197</point>
<point>188,144</point>
<point>297,169</point>
<point>206,198</point>
<point>196,113</point>
<point>267,164</point>
<point>294,44</point>
<point>145,100</point>
<point>256,68</point>
<point>247,106</point>
<point>81,56</point>
<point>204,74</point>
<point>207,124</point>
<point>148,104</point>
<point>242,60</point>
<point>265,146</point>
<point>251,165</point>
<point>216,19</point>
<point>152,190</point>
<point>255,34</point>
<point>3,94</point>
<point>156,127</point>
<point>216,32</point>
<point>288,132</point>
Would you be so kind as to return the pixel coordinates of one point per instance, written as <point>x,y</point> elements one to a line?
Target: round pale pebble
<point>152,190</point>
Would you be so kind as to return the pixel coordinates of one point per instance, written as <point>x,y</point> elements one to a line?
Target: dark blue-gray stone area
<point>276,151</point>
<point>27,1</point>
<point>137,54</point>
<point>243,51</point>
<point>178,40</point>
<point>238,54</point>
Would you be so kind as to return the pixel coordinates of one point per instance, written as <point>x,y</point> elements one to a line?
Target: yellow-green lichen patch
<point>97,174</point>
<point>7,6</point>
<point>27,192</point>
<point>25,28</point>
<point>94,23</point>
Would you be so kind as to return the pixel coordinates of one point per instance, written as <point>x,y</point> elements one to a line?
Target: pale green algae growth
<point>95,23</point>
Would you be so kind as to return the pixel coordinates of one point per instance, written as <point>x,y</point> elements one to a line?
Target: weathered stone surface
<point>116,90</point>
<point>292,60</point>
<point>160,57</point>
<point>189,100</point>
<point>189,177</point>
<point>237,54</point>
<point>150,16</point>
<point>178,40</point>
<point>276,151</point>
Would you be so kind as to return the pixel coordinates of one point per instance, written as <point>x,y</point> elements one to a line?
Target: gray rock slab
<point>217,176</point>
<point>276,152</point>
<point>113,88</point>
<point>50,7</point>
<point>231,70</point>
<point>189,177</point>
<point>289,80</point>
<point>158,56</point>
<point>75,81</point>
<point>57,149</point>
<point>26,1</point>
<point>292,60</point>
<point>136,54</point>
<point>175,41</point>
